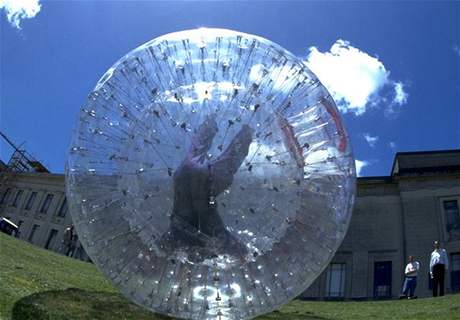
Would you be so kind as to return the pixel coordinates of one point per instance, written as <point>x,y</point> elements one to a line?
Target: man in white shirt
<point>439,263</point>
<point>410,281</point>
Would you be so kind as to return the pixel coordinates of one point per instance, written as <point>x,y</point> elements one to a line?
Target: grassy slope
<point>39,284</point>
<point>26,269</point>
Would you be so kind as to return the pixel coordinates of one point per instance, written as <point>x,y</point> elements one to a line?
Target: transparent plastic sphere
<point>210,175</point>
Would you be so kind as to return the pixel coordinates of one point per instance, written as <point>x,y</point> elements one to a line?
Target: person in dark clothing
<point>439,263</point>
<point>195,220</point>
<point>69,243</point>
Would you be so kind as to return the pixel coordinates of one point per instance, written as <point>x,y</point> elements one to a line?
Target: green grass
<point>38,284</point>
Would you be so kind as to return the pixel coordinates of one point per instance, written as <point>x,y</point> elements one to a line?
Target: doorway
<point>382,279</point>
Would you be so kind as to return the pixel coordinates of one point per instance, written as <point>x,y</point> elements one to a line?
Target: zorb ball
<point>210,175</point>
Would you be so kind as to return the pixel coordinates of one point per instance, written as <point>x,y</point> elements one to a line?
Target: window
<point>5,196</point>
<point>30,201</point>
<point>335,280</point>
<point>382,279</point>
<point>51,237</point>
<point>32,232</point>
<point>455,271</point>
<point>63,209</point>
<point>17,198</point>
<point>452,218</point>
<point>46,204</point>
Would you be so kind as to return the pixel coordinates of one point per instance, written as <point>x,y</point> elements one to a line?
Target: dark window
<point>63,209</point>
<point>335,280</point>
<point>46,204</point>
<point>31,200</point>
<point>382,279</point>
<point>5,196</point>
<point>452,215</point>
<point>17,198</point>
<point>32,232</point>
<point>455,271</point>
<point>51,237</point>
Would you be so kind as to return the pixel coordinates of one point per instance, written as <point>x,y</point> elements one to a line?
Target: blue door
<point>455,272</point>
<point>382,279</point>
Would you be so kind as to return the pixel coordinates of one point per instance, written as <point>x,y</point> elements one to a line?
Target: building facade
<point>36,202</point>
<point>394,216</point>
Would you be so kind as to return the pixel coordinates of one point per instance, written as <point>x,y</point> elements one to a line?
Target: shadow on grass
<point>78,304</point>
<point>293,315</point>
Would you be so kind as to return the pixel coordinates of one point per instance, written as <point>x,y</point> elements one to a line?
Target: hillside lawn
<point>39,284</point>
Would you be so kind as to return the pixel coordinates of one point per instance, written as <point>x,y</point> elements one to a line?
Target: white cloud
<point>457,50</point>
<point>400,95</point>
<point>355,79</point>
<point>392,145</point>
<point>360,165</point>
<point>16,10</point>
<point>370,139</point>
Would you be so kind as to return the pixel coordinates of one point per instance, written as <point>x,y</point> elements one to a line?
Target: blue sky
<point>394,67</point>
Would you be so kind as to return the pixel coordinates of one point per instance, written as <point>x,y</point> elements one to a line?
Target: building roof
<point>418,162</point>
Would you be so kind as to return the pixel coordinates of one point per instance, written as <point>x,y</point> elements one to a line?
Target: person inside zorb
<point>195,220</point>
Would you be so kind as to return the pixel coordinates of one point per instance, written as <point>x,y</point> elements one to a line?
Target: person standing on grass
<point>439,263</point>
<point>410,280</point>
<point>68,240</point>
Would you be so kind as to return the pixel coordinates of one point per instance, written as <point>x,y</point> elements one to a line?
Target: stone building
<point>36,202</point>
<point>394,216</point>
